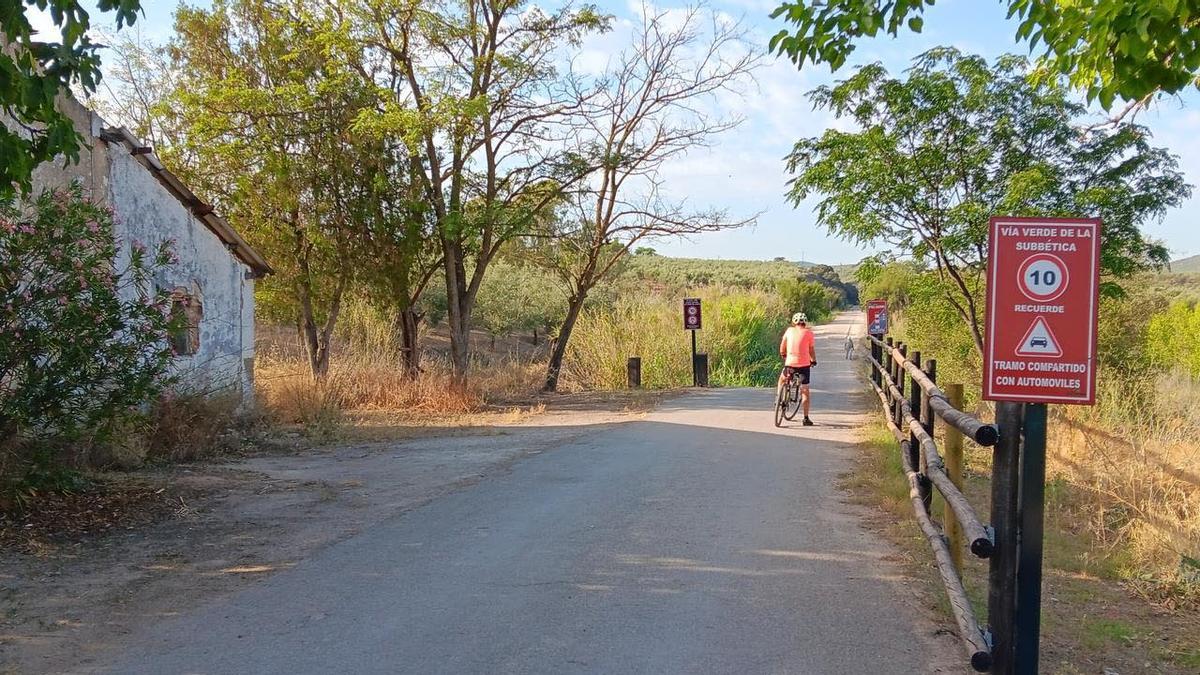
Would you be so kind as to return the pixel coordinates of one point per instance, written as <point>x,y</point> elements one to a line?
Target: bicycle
<point>787,399</point>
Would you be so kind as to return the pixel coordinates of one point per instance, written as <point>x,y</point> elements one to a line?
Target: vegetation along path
<point>696,539</point>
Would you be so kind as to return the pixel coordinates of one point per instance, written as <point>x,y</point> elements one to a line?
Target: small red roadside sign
<point>877,317</point>
<point>1043,279</point>
<point>692,315</point>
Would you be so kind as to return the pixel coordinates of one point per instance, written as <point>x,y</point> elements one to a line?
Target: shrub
<point>83,331</point>
<point>812,298</point>
<point>1173,338</point>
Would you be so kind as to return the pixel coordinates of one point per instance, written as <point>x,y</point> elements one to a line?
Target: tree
<point>472,89</point>
<point>646,111</point>
<point>401,248</point>
<point>140,79</point>
<point>34,73</point>
<point>519,297</point>
<point>957,141</point>
<point>268,111</point>
<point>1107,48</point>
<point>816,300</point>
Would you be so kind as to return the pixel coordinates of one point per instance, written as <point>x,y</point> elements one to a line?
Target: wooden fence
<point>910,412</point>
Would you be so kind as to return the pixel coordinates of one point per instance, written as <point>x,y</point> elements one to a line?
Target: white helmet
<point>799,317</point>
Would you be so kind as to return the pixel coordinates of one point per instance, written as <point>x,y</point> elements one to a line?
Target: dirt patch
<point>82,575</point>
<point>106,506</point>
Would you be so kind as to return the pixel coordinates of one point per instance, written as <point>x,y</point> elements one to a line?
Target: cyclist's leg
<point>805,398</point>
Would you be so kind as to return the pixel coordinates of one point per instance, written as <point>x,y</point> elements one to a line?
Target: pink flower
<point>93,226</point>
<point>27,229</point>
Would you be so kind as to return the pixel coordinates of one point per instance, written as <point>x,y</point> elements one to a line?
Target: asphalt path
<point>698,539</point>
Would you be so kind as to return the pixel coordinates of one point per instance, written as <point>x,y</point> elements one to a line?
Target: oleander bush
<point>83,334</point>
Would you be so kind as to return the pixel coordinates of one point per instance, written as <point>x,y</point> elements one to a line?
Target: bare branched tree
<point>652,106</point>
<point>471,87</point>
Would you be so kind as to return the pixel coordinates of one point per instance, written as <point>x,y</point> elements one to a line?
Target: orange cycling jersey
<point>797,343</point>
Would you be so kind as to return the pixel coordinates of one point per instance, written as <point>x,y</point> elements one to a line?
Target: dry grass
<point>1134,464</point>
<point>1091,623</point>
<point>1129,471</point>
<point>367,379</point>
<point>188,427</point>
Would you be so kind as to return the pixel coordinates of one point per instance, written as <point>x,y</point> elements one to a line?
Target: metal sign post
<point>1029,562</point>
<point>877,318</point>
<point>1039,348</point>
<point>692,321</point>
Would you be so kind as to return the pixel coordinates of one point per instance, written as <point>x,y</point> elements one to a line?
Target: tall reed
<point>740,334</point>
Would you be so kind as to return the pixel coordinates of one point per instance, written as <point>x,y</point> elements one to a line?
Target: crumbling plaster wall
<point>147,213</point>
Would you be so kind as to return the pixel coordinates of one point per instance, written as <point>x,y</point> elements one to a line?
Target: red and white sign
<point>1043,279</point>
<point>691,314</point>
<point>877,317</point>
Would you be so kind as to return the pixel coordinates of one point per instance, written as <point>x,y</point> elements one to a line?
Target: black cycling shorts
<point>802,372</point>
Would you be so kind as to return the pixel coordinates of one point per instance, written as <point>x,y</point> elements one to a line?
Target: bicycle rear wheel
<point>792,405</point>
<point>780,405</point>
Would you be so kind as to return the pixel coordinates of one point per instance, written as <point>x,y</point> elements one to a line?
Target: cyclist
<point>799,353</point>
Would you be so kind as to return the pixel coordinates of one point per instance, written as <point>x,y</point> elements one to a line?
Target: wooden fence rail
<point>910,419</point>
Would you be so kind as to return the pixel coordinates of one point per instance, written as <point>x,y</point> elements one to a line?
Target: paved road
<point>697,540</point>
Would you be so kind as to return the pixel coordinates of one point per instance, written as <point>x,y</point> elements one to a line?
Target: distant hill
<point>704,271</point>
<point>1186,265</point>
<point>762,274</point>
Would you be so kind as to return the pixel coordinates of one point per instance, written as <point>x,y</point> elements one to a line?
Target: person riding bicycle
<point>799,353</point>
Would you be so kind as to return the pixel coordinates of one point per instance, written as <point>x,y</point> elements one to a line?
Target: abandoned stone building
<point>212,285</point>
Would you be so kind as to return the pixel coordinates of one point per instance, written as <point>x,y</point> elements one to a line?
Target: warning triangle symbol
<point>1039,341</point>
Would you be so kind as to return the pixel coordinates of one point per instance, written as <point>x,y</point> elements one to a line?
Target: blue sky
<point>744,171</point>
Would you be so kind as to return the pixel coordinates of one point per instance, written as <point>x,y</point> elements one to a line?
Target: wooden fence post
<point>633,371</point>
<point>916,451</point>
<point>954,459</point>
<point>877,353</point>
<point>927,416</point>
<point>887,368</point>
<point>898,378</point>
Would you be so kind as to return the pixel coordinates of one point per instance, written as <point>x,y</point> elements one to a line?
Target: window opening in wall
<point>186,313</point>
